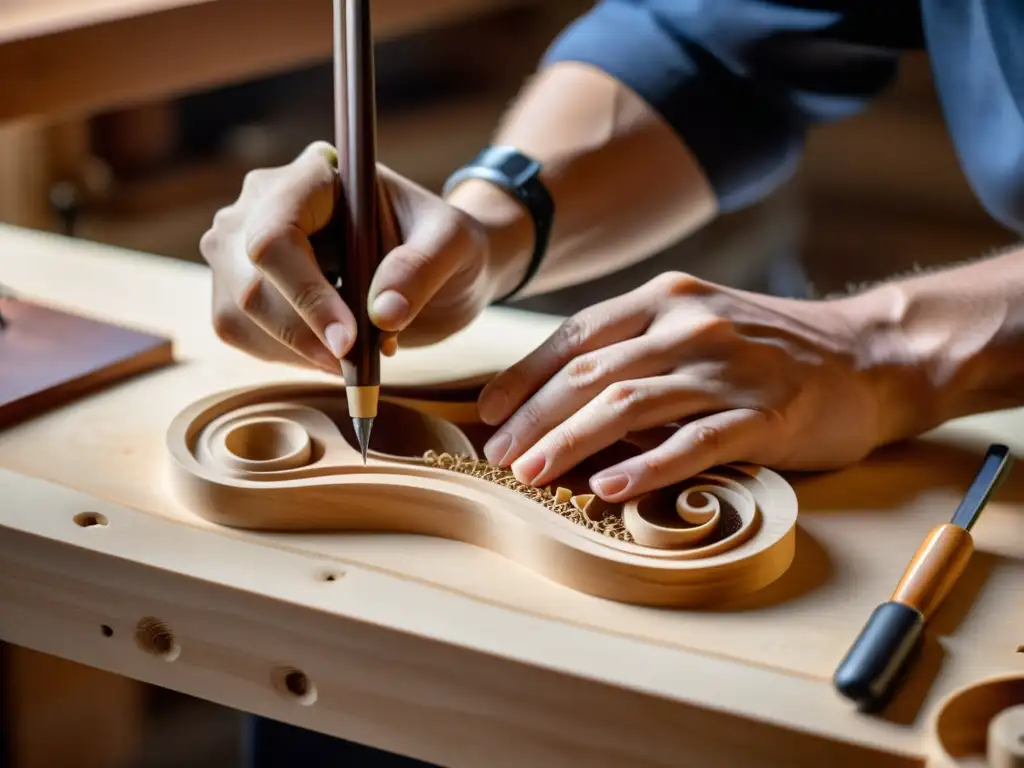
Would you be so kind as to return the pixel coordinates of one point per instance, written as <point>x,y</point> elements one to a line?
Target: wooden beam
<point>118,62</point>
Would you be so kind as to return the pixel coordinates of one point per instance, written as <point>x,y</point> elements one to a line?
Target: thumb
<point>436,246</point>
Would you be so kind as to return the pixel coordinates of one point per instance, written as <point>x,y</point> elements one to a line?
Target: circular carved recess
<point>266,440</point>
<point>284,458</point>
<point>980,725</point>
<point>263,444</point>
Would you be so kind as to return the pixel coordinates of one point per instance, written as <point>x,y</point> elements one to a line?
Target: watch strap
<point>519,175</point>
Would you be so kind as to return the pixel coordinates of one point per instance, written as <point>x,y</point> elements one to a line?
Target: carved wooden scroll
<point>283,458</point>
<point>981,724</point>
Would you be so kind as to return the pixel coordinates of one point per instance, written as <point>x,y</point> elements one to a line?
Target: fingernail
<point>492,406</point>
<point>498,448</point>
<point>528,467</point>
<point>337,339</point>
<point>609,485</point>
<point>391,309</point>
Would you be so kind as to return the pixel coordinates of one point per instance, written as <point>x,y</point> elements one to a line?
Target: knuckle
<point>623,396</point>
<point>413,260</point>
<point>287,333</point>
<point>566,441</point>
<point>677,284</point>
<point>529,416</point>
<point>706,437</point>
<point>263,243</point>
<point>582,371</point>
<point>222,218</point>
<point>309,297</point>
<point>655,463</point>
<point>252,299</point>
<point>714,326</point>
<point>254,179</point>
<point>227,326</point>
<point>570,336</point>
<point>209,244</point>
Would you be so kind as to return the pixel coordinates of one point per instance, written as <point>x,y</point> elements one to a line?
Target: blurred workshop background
<point>130,122</point>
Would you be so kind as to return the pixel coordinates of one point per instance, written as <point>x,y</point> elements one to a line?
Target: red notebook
<point>49,357</point>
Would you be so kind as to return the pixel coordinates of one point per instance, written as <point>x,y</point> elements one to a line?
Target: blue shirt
<point>741,81</point>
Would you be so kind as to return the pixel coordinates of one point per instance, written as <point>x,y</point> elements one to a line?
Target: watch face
<point>518,167</point>
<point>511,163</point>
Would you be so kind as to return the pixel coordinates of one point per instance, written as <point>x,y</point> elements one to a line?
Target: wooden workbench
<point>86,56</point>
<point>442,651</point>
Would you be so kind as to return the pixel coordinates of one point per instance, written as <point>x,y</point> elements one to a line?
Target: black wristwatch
<point>520,176</point>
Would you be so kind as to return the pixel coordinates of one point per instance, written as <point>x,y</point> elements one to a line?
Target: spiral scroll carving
<point>281,458</point>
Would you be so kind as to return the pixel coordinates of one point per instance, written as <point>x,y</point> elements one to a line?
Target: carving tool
<point>878,656</point>
<point>355,121</point>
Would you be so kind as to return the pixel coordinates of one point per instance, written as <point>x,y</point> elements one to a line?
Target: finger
<point>236,329</point>
<point>571,388</point>
<point>622,408</point>
<point>606,323</point>
<point>720,438</point>
<point>268,309</point>
<point>388,344</point>
<point>277,244</point>
<point>438,244</point>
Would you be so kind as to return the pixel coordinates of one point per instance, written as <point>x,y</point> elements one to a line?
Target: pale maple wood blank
<point>284,458</point>
<point>1006,738</point>
<point>981,724</point>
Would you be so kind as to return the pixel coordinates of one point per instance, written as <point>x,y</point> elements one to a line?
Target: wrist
<point>508,229</point>
<point>896,362</point>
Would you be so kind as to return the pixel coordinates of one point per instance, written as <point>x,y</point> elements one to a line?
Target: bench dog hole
<point>155,637</point>
<point>294,684</point>
<point>106,630</point>
<point>90,519</point>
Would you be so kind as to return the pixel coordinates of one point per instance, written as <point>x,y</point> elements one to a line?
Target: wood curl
<point>582,509</point>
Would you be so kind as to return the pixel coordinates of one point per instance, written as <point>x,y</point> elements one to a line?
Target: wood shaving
<point>561,501</point>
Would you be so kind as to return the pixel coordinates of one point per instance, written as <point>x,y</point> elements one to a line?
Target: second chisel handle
<point>936,567</point>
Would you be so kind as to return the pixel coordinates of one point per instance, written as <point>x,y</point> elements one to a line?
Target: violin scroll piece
<point>285,458</point>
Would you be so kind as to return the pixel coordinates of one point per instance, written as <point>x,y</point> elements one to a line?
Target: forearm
<point>624,184</point>
<point>956,338</point>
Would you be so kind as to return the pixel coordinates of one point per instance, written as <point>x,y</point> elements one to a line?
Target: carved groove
<point>561,501</point>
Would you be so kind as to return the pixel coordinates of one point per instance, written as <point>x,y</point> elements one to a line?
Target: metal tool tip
<point>363,428</point>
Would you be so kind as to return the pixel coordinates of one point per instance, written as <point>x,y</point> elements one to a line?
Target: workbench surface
<point>87,56</point>
<point>441,650</point>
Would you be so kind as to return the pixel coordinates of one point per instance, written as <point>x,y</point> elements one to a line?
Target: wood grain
<point>50,357</point>
<point>284,458</point>
<point>499,665</point>
<point>935,569</point>
<point>1005,747</point>
<point>87,57</point>
<point>977,725</point>
<point>515,688</point>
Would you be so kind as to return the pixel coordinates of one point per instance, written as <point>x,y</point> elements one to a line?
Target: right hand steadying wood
<point>271,299</point>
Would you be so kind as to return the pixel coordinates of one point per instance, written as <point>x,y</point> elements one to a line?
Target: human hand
<point>699,375</point>
<point>272,300</point>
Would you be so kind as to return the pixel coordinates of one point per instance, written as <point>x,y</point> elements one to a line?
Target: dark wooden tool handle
<point>936,567</point>
<point>357,148</point>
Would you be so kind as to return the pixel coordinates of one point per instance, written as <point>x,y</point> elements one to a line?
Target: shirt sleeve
<point>740,81</point>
